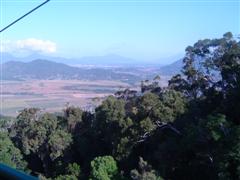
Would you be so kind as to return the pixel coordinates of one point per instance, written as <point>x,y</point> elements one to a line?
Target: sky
<point>138,29</point>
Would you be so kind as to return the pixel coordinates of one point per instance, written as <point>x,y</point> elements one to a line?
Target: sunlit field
<point>53,95</point>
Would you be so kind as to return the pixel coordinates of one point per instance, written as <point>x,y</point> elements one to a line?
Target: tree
<point>151,86</point>
<point>126,94</point>
<point>73,116</point>
<point>211,75</point>
<point>111,123</point>
<point>39,135</point>
<point>104,168</point>
<point>5,122</point>
<point>58,141</point>
<point>9,154</point>
<point>73,172</point>
<point>145,172</point>
<point>164,107</point>
<point>229,166</point>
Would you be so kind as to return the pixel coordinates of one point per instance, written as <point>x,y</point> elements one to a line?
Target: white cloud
<point>28,46</point>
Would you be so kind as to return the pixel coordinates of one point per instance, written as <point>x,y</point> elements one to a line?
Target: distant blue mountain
<point>172,69</point>
<point>40,66</point>
<point>88,60</point>
<point>107,60</point>
<point>44,69</point>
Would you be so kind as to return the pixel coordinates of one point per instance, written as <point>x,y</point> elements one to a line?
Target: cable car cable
<point>34,9</point>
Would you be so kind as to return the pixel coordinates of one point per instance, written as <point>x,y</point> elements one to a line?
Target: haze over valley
<point>50,85</point>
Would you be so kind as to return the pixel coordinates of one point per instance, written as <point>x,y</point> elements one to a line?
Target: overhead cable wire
<point>34,9</point>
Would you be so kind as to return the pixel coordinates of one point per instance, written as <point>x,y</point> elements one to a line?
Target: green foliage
<point>5,122</point>
<point>73,172</point>
<point>9,154</point>
<point>165,108</point>
<point>74,169</point>
<point>112,124</point>
<point>104,168</point>
<point>229,166</point>
<point>175,101</point>
<point>146,125</point>
<point>217,126</point>
<point>145,172</point>
<point>40,135</point>
<point>111,110</point>
<point>58,142</point>
<point>66,177</point>
<point>73,116</point>
<point>150,105</point>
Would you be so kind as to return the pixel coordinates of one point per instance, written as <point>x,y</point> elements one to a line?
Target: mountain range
<point>123,69</point>
<point>44,69</point>
<point>106,60</point>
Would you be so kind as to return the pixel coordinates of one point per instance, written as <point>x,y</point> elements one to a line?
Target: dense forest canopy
<point>188,130</point>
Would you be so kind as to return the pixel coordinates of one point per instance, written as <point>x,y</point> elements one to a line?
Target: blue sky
<point>140,29</point>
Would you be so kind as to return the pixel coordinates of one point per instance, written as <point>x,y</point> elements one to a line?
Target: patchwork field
<point>53,95</point>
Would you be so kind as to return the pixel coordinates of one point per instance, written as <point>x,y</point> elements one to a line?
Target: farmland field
<point>53,95</point>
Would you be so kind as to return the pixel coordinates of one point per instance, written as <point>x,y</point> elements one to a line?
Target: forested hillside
<point>188,130</point>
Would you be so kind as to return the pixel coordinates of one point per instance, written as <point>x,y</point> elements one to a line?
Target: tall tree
<point>9,154</point>
<point>104,168</point>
